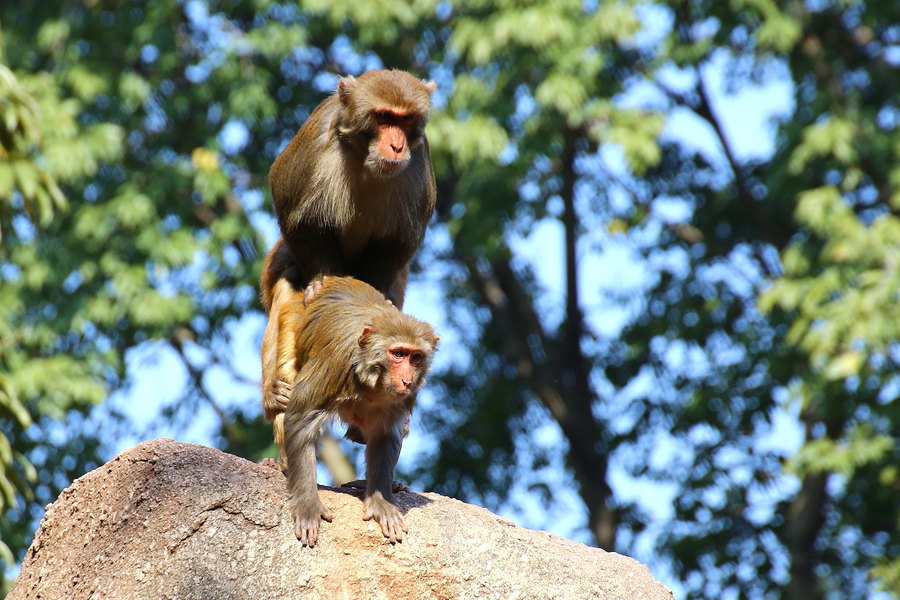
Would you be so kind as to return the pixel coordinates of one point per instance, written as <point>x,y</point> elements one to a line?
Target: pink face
<point>394,129</point>
<point>404,363</point>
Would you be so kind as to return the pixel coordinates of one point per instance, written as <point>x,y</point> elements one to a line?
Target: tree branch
<point>774,233</point>
<point>512,311</point>
<point>177,342</point>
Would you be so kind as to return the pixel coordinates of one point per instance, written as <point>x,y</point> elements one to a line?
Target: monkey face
<point>405,366</point>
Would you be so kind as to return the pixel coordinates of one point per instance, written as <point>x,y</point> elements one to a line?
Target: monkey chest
<point>363,230</point>
<point>372,412</point>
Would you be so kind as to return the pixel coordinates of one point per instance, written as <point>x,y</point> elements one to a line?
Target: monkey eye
<point>415,358</point>
<point>385,116</point>
<point>398,353</point>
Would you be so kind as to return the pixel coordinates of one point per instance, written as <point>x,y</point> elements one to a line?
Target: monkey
<point>286,369</point>
<point>360,359</point>
<point>353,193</point>
<point>354,189</point>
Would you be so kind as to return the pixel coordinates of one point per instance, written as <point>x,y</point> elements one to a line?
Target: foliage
<point>634,299</point>
<point>117,227</point>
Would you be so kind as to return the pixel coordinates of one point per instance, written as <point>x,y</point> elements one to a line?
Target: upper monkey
<point>354,189</point>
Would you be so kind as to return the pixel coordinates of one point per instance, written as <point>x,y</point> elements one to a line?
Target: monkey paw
<point>306,523</point>
<point>313,288</point>
<point>388,517</point>
<point>281,395</point>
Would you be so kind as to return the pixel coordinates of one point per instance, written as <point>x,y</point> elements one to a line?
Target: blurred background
<point>664,263</point>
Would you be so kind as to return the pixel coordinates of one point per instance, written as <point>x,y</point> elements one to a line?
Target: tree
<point>756,294</point>
<point>118,227</point>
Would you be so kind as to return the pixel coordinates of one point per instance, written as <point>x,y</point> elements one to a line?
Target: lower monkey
<point>359,358</point>
<point>282,295</point>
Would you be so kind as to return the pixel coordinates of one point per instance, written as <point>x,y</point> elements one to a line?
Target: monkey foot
<point>306,524</point>
<point>281,395</point>
<point>387,516</point>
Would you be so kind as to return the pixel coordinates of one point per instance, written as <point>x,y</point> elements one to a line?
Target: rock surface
<point>173,520</point>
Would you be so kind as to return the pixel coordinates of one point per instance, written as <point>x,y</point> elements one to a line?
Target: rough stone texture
<point>173,520</point>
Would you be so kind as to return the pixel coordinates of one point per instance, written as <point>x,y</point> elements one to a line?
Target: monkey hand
<point>387,515</point>
<point>306,521</point>
<point>313,288</point>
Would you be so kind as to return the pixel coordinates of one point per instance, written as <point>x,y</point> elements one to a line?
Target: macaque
<point>353,193</point>
<point>358,358</point>
<point>354,189</point>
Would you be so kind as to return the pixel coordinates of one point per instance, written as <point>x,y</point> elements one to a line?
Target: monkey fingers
<point>313,288</point>
<point>387,516</point>
<point>306,522</point>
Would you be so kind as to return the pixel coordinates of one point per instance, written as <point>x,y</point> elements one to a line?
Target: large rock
<point>173,520</point>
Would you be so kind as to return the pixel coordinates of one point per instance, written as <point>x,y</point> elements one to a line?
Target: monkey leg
<point>301,430</point>
<point>277,352</point>
<point>398,287</point>
<point>278,266</point>
<point>382,453</point>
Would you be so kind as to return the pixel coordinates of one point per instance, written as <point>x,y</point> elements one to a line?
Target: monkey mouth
<point>388,167</point>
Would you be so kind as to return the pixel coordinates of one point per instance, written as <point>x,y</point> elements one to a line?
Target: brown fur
<point>343,342</point>
<point>343,207</point>
<point>338,214</point>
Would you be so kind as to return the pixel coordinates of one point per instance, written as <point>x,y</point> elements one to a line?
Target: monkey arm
<point>301,431</point>
<point>382,453</point>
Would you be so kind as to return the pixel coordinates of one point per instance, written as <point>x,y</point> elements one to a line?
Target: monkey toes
<point>387,516</point>
<point>282,394</point>
<point>306,523</point>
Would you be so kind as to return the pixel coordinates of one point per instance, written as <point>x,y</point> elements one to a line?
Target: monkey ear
<point>364,337</point>
<point>430,86</point>
<point>435,340</point>
<point>345,87</point>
